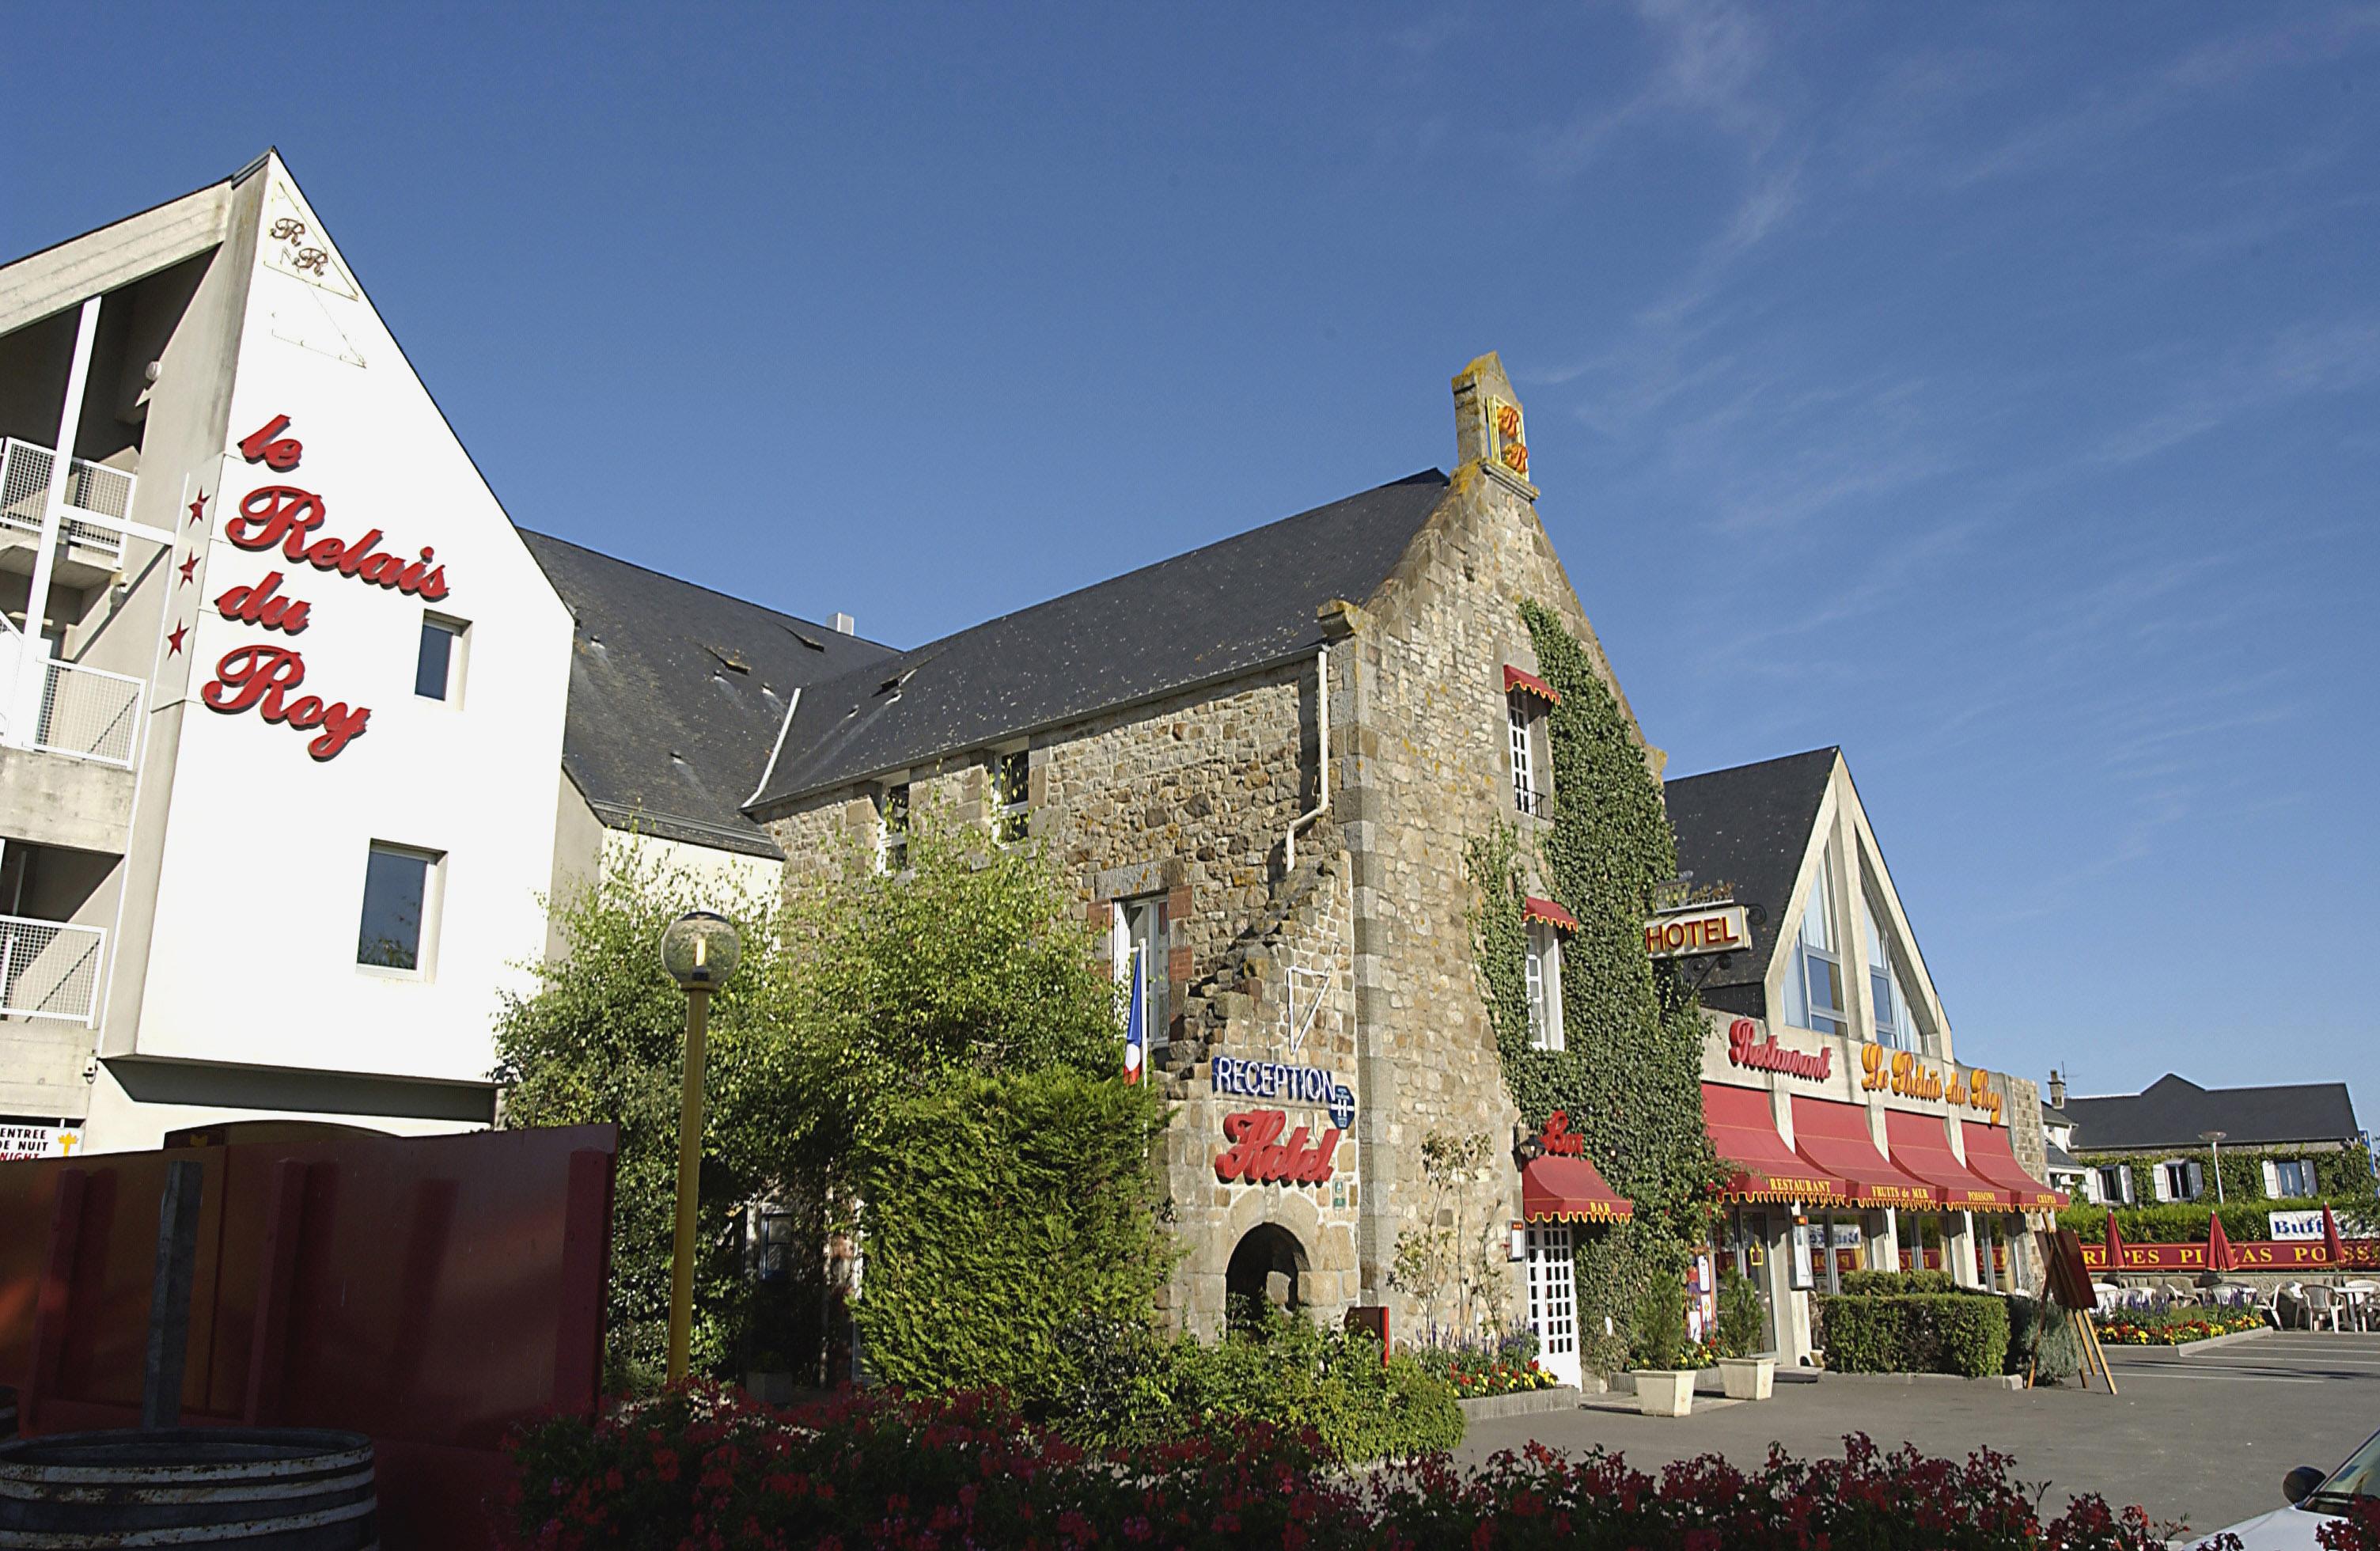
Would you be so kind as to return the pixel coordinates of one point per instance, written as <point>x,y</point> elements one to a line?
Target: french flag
<point>1136,1021</point>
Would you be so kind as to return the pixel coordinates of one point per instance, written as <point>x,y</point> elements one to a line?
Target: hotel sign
<point>1722,929</point>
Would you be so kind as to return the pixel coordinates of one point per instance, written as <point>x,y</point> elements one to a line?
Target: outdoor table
<point>2359,1295</point>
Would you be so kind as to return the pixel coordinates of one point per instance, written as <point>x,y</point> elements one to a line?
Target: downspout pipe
<point>1322,773</point>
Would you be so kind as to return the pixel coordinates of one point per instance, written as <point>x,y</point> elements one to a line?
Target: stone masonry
<point>1357,960</point>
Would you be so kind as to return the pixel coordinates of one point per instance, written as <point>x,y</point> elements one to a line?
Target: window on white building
<point>400,906</point>
<point>1814,981</point>
<point>1141,944</point>
<point>2115,1183</point>
<point>2178,1180</point>
<point>892,828</point>
<point>1545,987</point>
<point>438,669</point>
<point>1896,1025</point>
<point>1012,776</point>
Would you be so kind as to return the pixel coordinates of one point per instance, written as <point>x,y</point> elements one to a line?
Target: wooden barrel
<point>269,1488</point>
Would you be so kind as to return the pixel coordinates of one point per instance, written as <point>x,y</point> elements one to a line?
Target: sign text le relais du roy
<point>259,676</point>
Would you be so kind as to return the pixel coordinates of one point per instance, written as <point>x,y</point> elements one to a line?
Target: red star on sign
<point>191,567</point>
<point>174,648</point>
<point>199,508</point>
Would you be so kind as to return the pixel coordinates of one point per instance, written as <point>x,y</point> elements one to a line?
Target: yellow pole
<point>689,1177</point>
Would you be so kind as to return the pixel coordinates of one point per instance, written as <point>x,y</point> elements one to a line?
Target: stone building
<point>1258,763</point>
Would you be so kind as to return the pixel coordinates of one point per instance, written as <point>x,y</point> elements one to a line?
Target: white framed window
<point>1544,971</point>
<point>2178,1180</point>
<point>1140,938</point>
<point>1896,1025</point>
<point>2113,1184</point>
<point>1522,720</point>
<point>892,828</point>
<point>398,935</point>
<point>1813,980</point>
<point>2292,1178</point>
<point>1011,801</point>
<point>438,666</point>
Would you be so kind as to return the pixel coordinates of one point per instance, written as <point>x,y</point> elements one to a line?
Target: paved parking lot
<point>2193,1434</point>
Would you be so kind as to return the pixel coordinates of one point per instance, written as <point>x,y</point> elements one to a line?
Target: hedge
<point>2185,1222</point>
<point>1961,1333</point>
<point>1868,1283</point>
<point>2344,1177</point>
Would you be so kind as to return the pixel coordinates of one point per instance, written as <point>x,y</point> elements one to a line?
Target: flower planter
<point>1665,1391</point>
<point>1748,1378</point>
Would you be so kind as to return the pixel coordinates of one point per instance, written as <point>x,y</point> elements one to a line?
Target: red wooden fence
<point>431,1292</point>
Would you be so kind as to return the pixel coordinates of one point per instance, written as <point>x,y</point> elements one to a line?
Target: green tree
<point>601,1039</point>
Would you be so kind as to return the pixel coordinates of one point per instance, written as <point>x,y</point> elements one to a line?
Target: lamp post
<point>701,951</point>
<point>2214,1140</point>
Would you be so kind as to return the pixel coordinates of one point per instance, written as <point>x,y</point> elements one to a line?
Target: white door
<point>1553,1299</point>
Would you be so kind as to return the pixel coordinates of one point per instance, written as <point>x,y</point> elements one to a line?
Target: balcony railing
<point>1538,805</point>
<point>66,708</point>
<point>25,471</point>
<point>49,969</point>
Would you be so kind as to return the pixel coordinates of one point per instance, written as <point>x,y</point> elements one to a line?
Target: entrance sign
<point>1279,1080</point>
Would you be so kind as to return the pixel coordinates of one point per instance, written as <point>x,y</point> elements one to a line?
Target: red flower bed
<point>711,1471</point>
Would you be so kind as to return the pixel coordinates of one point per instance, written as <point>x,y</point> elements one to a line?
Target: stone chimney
<point>2056,1090</point>
<point>1490,427</point>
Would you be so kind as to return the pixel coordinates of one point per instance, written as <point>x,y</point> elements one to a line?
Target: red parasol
<point>2115,1245</point>
<point>2218,1248</point>
<point>2333,1251</point>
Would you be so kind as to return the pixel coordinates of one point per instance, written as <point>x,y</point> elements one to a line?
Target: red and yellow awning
<point>1570,1190</point>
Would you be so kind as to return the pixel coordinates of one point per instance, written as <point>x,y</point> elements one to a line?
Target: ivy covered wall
<point>1629,1076</point>
<point>2342,1176</point>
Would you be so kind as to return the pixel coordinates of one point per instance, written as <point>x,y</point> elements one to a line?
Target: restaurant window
<point>1544,971</point>
<point>1011,796</point>
<point>2292,1178</point>
<point>1141,939</point>
<point>1524,720</point>
<point>1814,981</point>
<point>2115,1184</point>
<point>892,828</point>
<point>438,667</point>
<point>1896,1025</point>
<point>400,896</point>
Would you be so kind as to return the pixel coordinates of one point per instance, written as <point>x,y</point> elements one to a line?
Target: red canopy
<point>2115,1245</point>
<point>1921,1144</point>
<point>1992,1155</point>
<point>1570,1190</point>
<point>2335,1252</point>
<point>1529,684</point>
<point>1834,1138</point>
<point>1552,915</point>
<point>1744,1137</point>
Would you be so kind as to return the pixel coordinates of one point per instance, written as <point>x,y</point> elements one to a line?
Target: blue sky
<point>1995,393</point>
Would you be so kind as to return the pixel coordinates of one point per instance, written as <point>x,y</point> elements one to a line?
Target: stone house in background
<point>1258,763</point>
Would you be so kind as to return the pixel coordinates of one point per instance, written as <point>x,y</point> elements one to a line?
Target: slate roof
<point>1238,604</point>
<point>2173,1111</point>
<point>677,692</point>
<point>2061,1159</point>
<point>1750,826</point>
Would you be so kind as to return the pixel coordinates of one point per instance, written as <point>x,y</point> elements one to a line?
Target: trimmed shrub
<point>1001,1211</point>
<point>877,1469</point>
<point>1892,1283</point>
<point>1916,1333</point>
<point>1660,1341</point>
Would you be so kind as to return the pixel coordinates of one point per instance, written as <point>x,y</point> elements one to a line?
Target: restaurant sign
<point>1747,1049</point>
<point>2294,1226</point>
<point>1901,1073</point>
<point>2245,1256</point>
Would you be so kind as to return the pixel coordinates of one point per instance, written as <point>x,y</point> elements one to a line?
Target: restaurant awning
<point>1529,684</point>
<point>1834,1138</point>
<point>1570,1190</point>
<point>1991,1153</point>
<point>1921,1144</point>
<point>1744,1137</point>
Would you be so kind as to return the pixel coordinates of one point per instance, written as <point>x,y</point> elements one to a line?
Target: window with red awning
<point>1744,1135</point>
<point>1834,1138</point>
<point>1570,1190</point>
<point>1992,1154</point>
<point>1921,1144</point>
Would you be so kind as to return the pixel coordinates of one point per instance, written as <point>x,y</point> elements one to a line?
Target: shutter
<point>2124,1173</point>
<point>2272,1180</point>
<point>2160,1182</point>
<point>2197,1180</point>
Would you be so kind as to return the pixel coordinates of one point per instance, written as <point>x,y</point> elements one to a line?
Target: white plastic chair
<point>2323,1305</point>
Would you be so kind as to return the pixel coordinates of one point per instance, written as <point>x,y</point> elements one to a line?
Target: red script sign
<point>1255,1158</point>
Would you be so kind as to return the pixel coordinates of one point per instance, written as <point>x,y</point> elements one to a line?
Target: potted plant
<point>1663,1389</point>
<point>1745,1376</point>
